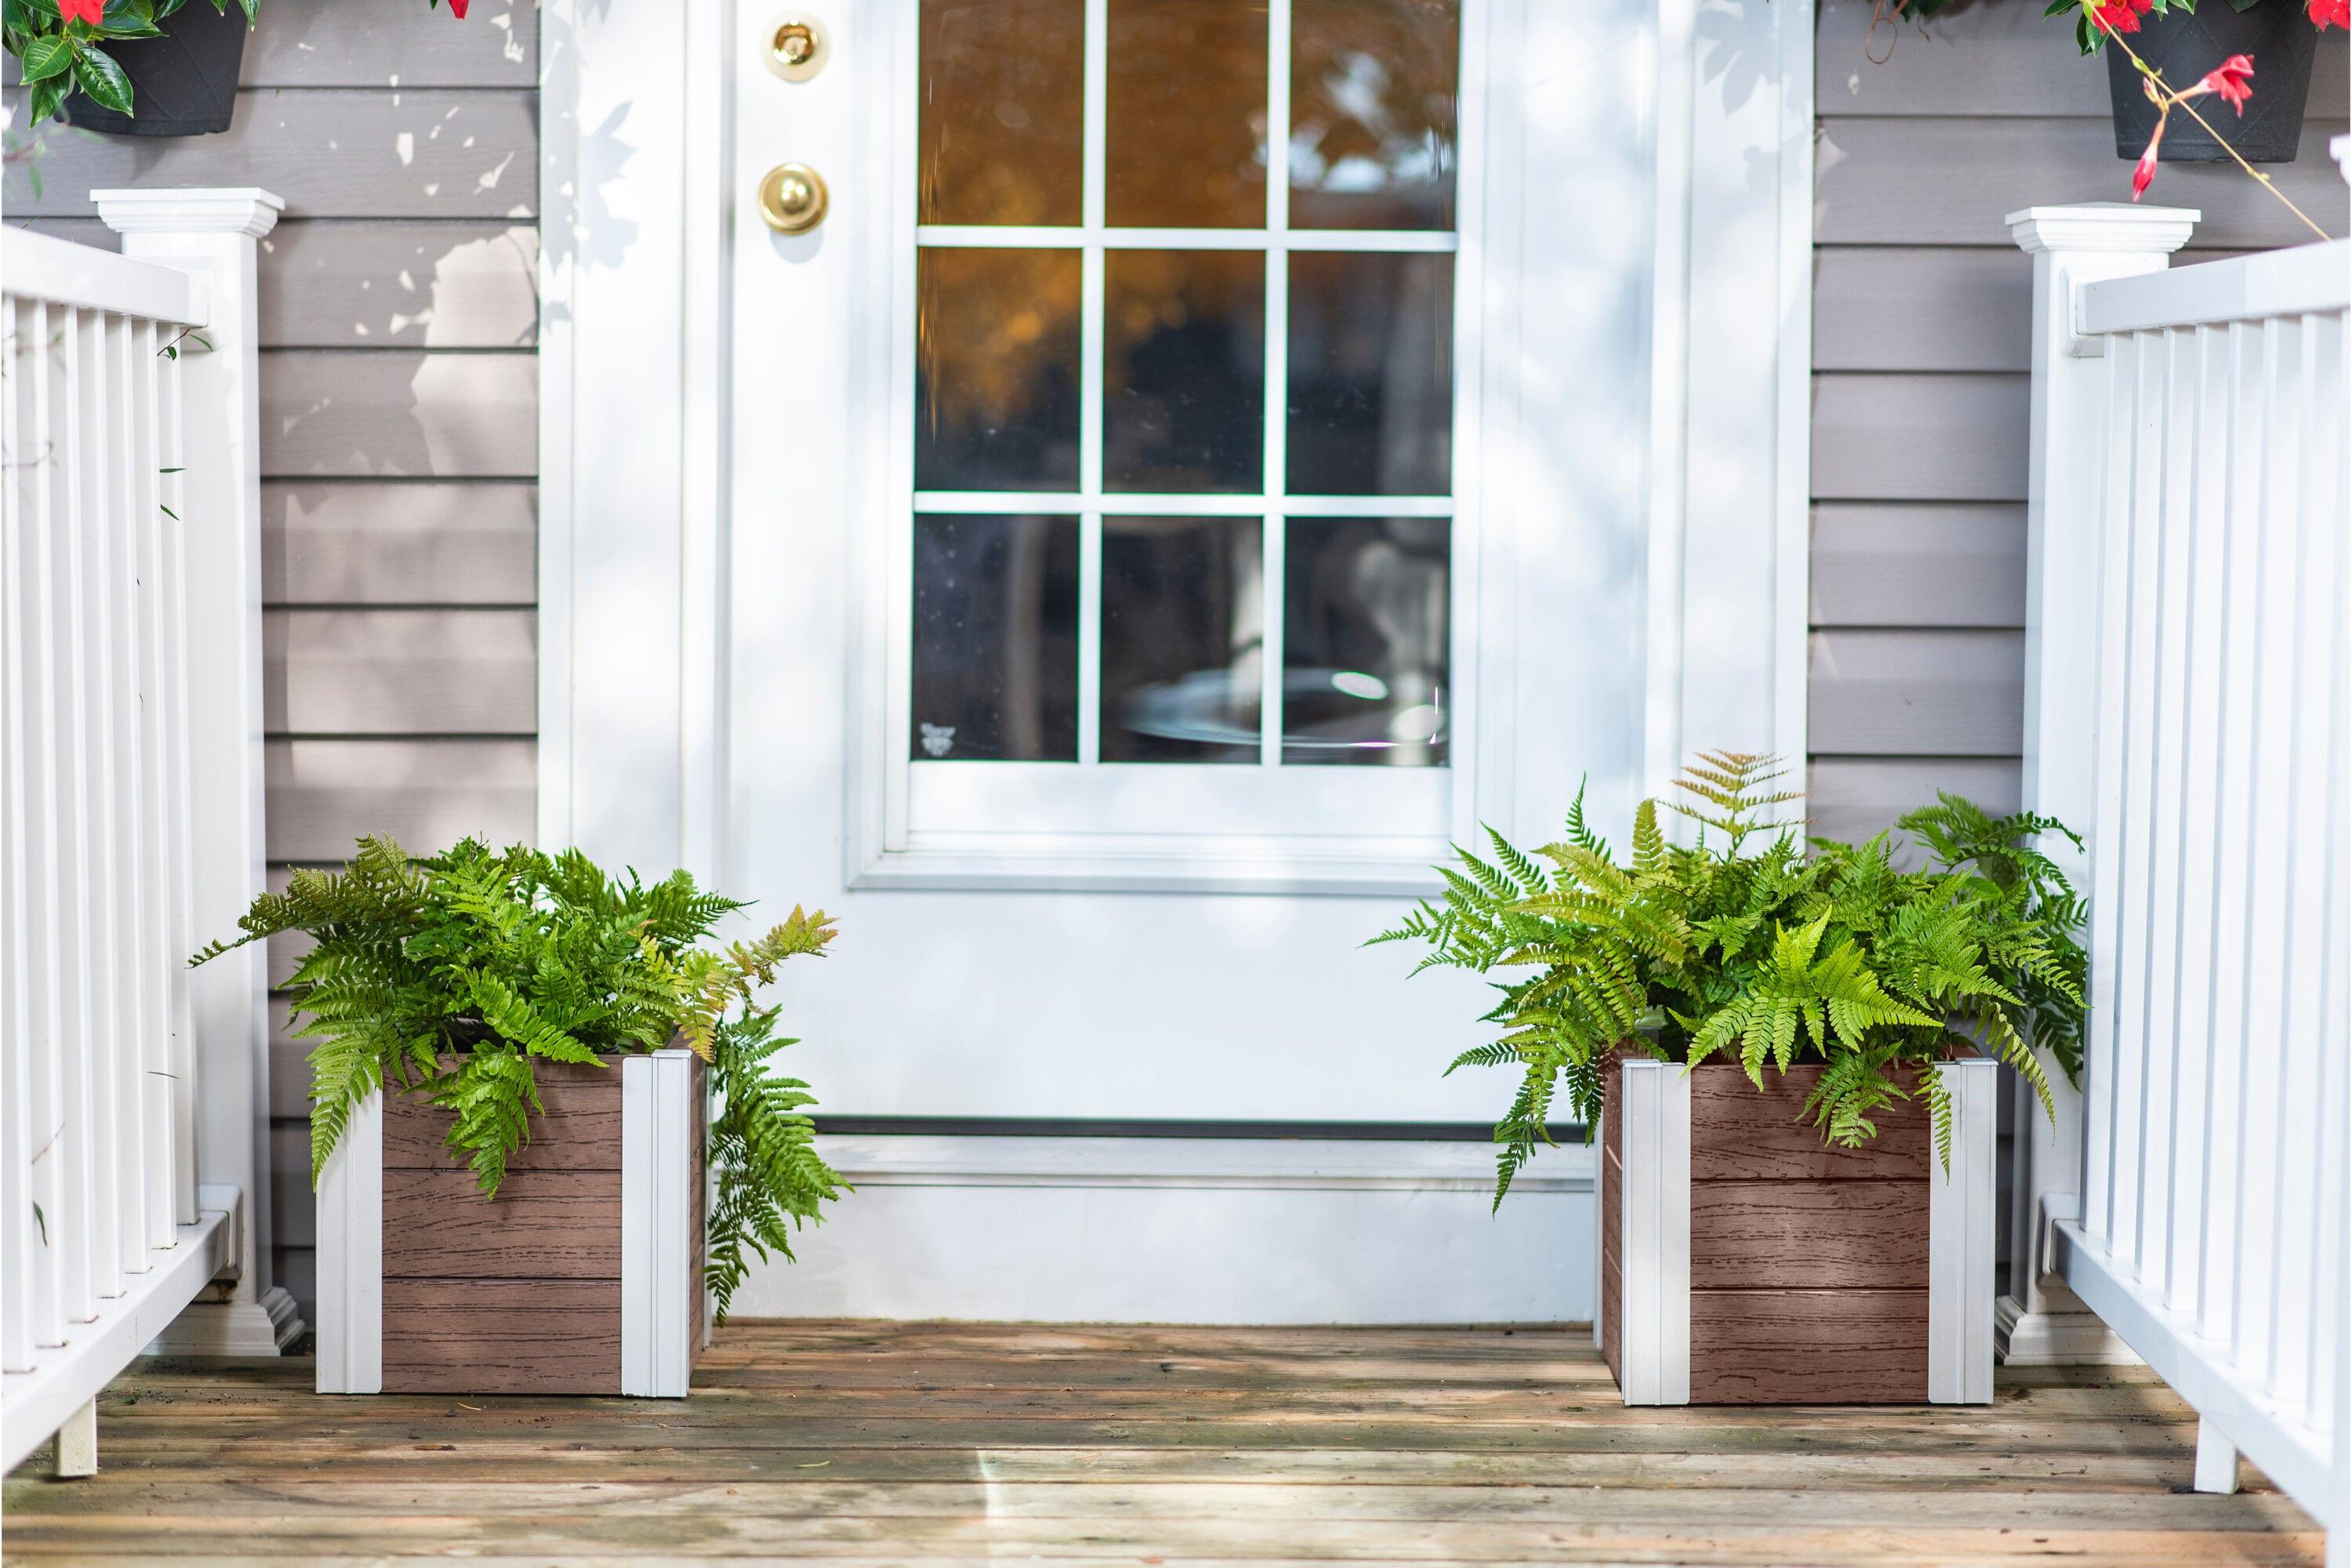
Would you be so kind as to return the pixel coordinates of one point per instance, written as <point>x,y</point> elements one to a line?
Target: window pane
<point>1371,373</point>
<point>1184,369</point>
<point>1372,112</point>
<point>1185,133</point>
<point>1004,101</point>
<point>1364,640</point>
<point>1183,632</point>
<point>996,638</point>
<point>996,370</point>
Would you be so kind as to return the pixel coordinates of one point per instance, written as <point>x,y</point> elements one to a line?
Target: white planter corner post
<point>2038,1321</point>
<point>214,233</point>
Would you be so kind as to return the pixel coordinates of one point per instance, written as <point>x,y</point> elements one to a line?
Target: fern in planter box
<point>1756,945</point>
<point>450,976</point>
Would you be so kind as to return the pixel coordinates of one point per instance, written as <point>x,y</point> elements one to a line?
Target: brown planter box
<point>1743,1262</point>
<point>583,1276</point>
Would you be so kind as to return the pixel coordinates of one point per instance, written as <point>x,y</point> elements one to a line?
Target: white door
<point>1141,564</point>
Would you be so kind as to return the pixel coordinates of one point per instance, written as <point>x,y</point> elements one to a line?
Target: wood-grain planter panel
<point>1743,1262</point>
<point>583,1276</point>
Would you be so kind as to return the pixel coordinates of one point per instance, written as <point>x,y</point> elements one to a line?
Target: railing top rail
<point>2306,278</point>
<point>41,267</point>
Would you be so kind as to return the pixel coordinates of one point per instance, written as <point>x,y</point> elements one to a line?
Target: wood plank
<point>1909,565</point>
<point>329,152</point>
<point>1919,437</point>
<point>425,793</point>
<point>358,541</point>
<point>1743,1133</point>
<point>1983,60</point>
<point>1851,798</point>
<point>399,672</point>
<point>1825,1347</point>
<point>398,414</point>
<point>1931,180</point>
<point>1806,1235</point>
<point>1918,692</point>
<point>544,1224</point>
<point>488,1336</point>
<point>345,285</point>
<point>578,1127</point>
<point>392,43</point>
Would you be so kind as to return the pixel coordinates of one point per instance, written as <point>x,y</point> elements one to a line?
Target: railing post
<point>2037,1319</point>
<point>214,232</point>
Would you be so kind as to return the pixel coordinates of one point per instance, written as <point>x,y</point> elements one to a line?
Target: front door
<point>1137,573</point>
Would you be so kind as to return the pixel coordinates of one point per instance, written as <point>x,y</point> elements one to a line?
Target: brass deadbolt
<point>793,198</point>
<point>798,47</point>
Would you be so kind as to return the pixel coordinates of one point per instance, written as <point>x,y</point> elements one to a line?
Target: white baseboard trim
<point>1290,1230</point>
<point>260,1328</point>
<point>2055,1338</point>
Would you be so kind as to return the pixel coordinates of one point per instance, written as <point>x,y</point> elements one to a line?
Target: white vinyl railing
<point>115,1207</point>
<point>2189,673</point>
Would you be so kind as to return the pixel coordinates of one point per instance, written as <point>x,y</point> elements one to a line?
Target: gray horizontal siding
<point>1881,436</point>
<point>1878,564</point>
<point>1921,310</point>
<point>427,794</point>
<point>361,542</point>
<point>434,152</point>
<point>1916,692</point>
<point>394,43</point>
<point>1949,181</point>
<point>398,672</point>
<point>398,318</point>
<point>396,413</point>
<point>342,283</point>
<point>1978,61</point>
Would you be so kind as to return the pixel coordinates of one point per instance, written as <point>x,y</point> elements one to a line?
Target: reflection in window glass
<point>996,639</point>
<point>1183,632</point>
<point>1364,629</point>
<point>1372,99</point>
<point>996,369</point>
<point>1003,97</point>
<point>1371,373</point>
<point>1183,370</point>
<point>1184,143</point>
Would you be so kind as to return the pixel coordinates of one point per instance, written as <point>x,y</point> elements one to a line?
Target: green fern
<point>1766,947</point>
<point>451,975</point>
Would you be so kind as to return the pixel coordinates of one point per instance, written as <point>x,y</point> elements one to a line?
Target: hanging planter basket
<point>182,84</point>
<point>2185,45</point>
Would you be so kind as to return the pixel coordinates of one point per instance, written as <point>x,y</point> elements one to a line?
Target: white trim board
<point>1189,1230</point>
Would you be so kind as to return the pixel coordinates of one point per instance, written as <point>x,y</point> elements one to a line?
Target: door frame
<point>639,191</point>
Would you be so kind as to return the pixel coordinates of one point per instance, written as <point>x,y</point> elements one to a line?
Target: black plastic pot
<point>182,84</point>
<point>2184,45</point>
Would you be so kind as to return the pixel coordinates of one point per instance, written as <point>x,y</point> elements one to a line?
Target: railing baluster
<point>2103,1108</point>
<point>99,1047</point>
<point>43,1090</point>
<point>17,970</point>
<point>156,960</point>
<point>180,799</point>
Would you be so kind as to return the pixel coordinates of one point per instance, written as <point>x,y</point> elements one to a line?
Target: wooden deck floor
<point>939,1443</point>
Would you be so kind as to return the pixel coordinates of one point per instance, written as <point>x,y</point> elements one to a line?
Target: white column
<point>214,233</point>
<point>2039,1320</point>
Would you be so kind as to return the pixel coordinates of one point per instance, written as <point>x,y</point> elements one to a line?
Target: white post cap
<point>238,209</point>
<point>2111,227</point>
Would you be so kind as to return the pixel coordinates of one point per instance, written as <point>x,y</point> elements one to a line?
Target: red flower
<point>2324,12</point>
<point>90,11</point>
<point>2121,16</point>
<point>2144,171</point>
<point>2233,79</point>
<point>457,8</point>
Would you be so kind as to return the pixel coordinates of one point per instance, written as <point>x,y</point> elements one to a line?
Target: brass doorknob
<point>797,48</point>
<point>793,198</point>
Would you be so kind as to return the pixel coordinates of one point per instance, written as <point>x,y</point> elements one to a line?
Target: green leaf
<point>42,103</point>
<point>46,57</point>
<point>97,74</point>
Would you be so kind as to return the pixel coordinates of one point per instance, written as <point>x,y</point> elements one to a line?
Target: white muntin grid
<point>1089,503</point>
